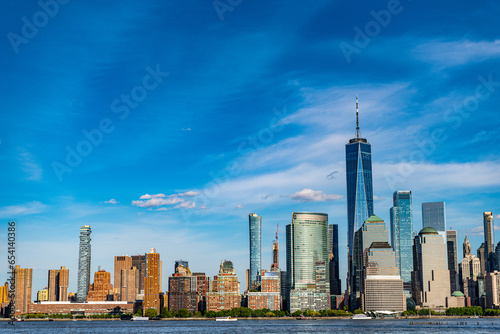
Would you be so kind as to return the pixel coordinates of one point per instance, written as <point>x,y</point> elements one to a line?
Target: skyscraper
<point>307,245</point>
<point>123,262</point>
<point>276,253</point>
<point>434,215</point>
<point>333,250</point>
<point>23,284</point>
<point>359,188</point>
<point>430,276</point>
<point>152,281</point>
<point>489,241</point>
<point>255,225</point>
<point>401,235</point>
<point>58,284</point>
<point>84,264</point>
<point>101,289</point>
<point>225,292</point>
<point>139,262</point>
<point>451,245</point>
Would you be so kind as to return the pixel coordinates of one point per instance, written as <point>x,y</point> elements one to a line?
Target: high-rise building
<point>489,241</point>
<point>359,189</point>
<point>430,276</point>
<point>497,257</point>
<point>43,295</point>
<point>84,264</point>
<point>202,287</point>
<point>255,227</point>
<point>4,293</point>
<point>122,262</point>
<point>307,244</point>
<point>333,254</point>
<point>225,290</point>
<point>481,254</point>
<point>372,230</point>
<point>451,247</point>
<point>470,269</point>
<point>382,284</point>
<point>276,254</point>
<point>177,263</point>
<point>152,281</point>
<point>182,292</point>
<point>434,215</point>
<point>128,288</point>
<point>492,287</point>
<point>139,261</point>
<point>101,289</point>
<point>269,295</point>
<point>24,279</point>
<point>58,284</point>
<point>402,235</point>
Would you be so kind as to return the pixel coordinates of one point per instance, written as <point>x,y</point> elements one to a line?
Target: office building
<point>255,227</point>
<point>122,262</point>
<point>359,190</point>
<point>269,296</point>
<point>4,293</point>
<point>382,284</point>
<point>182,292</point>
<point>58,284</point>
<point>470,270</point>
<point>334,260</point>
<point>481,254</point>
<point>402,235</point>
<point>128,288</point>
<point>451,247</point>
<point>177,263</point>
<point>489,241</point>
<point>307,245</point>
<point>225,289</point>
<point>202,288</point>
<point>372,230</point>
<point>84,264</point>
<point>43,295</point>
<point>497,256</point>
<point>139,262</point>
<point>430,276</point>
<point>434,215</point>
<point>276,254</point>
<point>492,287</point>
<point>24,279</point>
<point>102,289</point>
<point>152,281</point>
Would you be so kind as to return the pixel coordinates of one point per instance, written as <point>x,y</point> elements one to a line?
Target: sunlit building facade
<point>255,227</point>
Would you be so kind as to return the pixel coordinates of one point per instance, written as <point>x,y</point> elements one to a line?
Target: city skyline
<point>253,116</point>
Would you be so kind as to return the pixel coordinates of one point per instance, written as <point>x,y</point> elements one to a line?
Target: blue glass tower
<point>255,226</point>
<point>83,264</point>
<point>402,235</point>
<point>358,158</point>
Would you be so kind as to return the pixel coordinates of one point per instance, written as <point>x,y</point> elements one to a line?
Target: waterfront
<point>443,325</point>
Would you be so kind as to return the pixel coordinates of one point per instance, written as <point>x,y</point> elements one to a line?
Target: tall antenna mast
<point>357,118</point>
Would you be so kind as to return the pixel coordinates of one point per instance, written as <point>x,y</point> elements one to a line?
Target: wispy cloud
<point>156,202</point>
<point>30,166</point>
<point>309,195</point>
<point>186,205</point>
<point>13,211</point>
<point>189,193</point>
<point>148,196</point>
<point>112,201</point>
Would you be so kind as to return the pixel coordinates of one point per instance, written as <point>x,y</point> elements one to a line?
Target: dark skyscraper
<point>434,215</point>
<point>489,241</point>
<point>359,188</point>
<point>84,264</point>
<point>451,245</point>
<point>333,245</point>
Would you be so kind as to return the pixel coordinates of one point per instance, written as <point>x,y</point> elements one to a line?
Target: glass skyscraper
<point>489,241</point>
<point>83,264</point>
<point>402,235</point>
<point>358,158</point>
<point>306,251</point>
<point>333,245</point>
<point>255,227</point>
<point>434,215</point>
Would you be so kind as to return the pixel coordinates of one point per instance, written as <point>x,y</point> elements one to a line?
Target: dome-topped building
<point>428,230</point>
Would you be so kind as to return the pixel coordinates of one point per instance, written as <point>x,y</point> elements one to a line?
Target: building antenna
<point>277,231</point>
<point>357,118</point>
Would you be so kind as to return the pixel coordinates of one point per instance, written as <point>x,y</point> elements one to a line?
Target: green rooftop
<point>374,219</point>
<point>428,230</point>
<point>457,294</point>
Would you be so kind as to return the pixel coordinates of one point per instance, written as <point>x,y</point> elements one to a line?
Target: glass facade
<point>333,245</point>
<point>83,264</point>
<point>434,215</point>
<point>307,244</point>
<point>402,235</point>
<point>451,246</point>
<point>255,227</point>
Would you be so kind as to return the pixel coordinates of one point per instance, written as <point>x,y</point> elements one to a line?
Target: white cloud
<point>186,205</point>
<point>112,201</point>
<point>156,202</point>
<point>190,193</point>
<point>376,198</point>
<point>497,217</point>
<point>239,206</point>
<point>30,166</point>
<point>148,196</point>
<point>13,211</point>
<point>309,195</point>
<point>186,129</point>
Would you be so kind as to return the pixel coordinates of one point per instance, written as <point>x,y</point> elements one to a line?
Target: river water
<point>483,325</point>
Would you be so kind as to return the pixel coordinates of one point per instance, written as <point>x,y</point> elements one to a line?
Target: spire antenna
<point>357,118</point>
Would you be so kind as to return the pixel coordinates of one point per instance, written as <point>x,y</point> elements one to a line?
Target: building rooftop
<point>374,219</point>
<point>384,244</point>
<point>457,294</point>
<point>428,230</point>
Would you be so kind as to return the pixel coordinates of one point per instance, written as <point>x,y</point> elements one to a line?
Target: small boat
<point>137,318</point>
<point>225,319</point>
<point>302,317</point>
<point>360,317</point>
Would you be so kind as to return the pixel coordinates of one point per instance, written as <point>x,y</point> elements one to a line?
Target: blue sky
<point>200,113</point>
